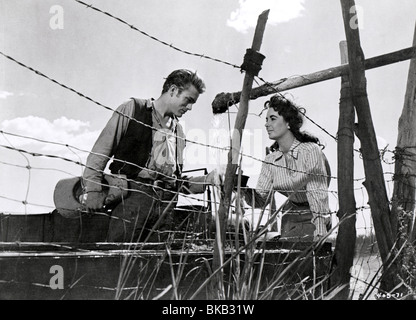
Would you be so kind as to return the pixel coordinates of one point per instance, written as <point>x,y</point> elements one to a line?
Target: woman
<point>297,168</point>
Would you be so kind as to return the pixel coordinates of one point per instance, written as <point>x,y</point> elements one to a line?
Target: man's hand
<point>322,226</point>
<point>95,201</point>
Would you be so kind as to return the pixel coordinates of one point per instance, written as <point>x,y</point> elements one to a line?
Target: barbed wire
<point>267,83</point>
<point>154,38</point>
<point>367,231</point>
<point>133,119</point>
<point>29,167</point>
<point>198,55</point>
<point>206,145</point>
<point>130,118</point>
<point>66,159</point>
<point>37,154</point>
<point>26,202</point>
<point>90,6</point>
<point>113,110</point>
<point>106,107</point>
<point>81,150</point>
<point>29,175</point>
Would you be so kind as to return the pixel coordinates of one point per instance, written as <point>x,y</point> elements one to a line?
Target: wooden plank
<point>96,274</point>
<point>224,100</point>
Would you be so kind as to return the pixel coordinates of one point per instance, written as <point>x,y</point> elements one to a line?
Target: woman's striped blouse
<point>303,170</point>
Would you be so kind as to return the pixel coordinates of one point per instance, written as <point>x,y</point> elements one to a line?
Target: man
<point>147,143</point>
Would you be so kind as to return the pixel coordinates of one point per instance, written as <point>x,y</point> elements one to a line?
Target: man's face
<point>182,102</point>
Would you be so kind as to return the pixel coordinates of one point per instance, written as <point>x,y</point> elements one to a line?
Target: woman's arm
<point>317,190</point>
<point>263,193</point>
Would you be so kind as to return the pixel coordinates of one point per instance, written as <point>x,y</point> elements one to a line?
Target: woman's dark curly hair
<point>293,115</point>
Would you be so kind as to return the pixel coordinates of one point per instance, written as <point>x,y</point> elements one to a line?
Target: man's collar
<point>150,105</point>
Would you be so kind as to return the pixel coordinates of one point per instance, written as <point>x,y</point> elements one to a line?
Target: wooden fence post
<point>374,183</point>
<point>346,238</point>
<point>234,152</point>
<point>405,157</point>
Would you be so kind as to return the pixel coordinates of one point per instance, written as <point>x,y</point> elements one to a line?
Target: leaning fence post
<point>251,67</point>
<point>405,156</point>
<point>374,183</point>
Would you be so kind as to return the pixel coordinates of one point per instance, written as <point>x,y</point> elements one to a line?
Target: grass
<point>252,267</point>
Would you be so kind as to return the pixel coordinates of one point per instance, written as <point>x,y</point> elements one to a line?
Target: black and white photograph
<point>229,152</point>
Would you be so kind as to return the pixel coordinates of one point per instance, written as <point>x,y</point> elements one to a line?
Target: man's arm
<point>105,147</point>
<point>255,199</point>
<point>198,184</point>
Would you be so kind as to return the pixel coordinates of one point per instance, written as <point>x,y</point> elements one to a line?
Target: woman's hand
<point>214,178</point>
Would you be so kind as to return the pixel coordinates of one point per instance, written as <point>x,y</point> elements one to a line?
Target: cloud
<point>246,15</point>
<point>71,132</point>
<point>5,94</point>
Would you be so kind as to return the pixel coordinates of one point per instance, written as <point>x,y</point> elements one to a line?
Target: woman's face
<point>276,126</point>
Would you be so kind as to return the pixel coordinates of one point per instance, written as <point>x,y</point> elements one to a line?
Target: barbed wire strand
<point>86,97</point>
<point>199,55</point>
<point>131,118</point>
<point>89,6</point>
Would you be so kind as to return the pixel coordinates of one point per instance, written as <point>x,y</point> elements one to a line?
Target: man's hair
<point>183,79</point>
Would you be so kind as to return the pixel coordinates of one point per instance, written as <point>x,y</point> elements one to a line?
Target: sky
<point>109,62</point>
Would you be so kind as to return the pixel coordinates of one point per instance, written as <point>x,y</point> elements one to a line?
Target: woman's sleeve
<point>264,186</point>
<point>317,189</point>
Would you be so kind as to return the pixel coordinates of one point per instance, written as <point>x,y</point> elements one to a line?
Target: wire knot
<point>252,62</point>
